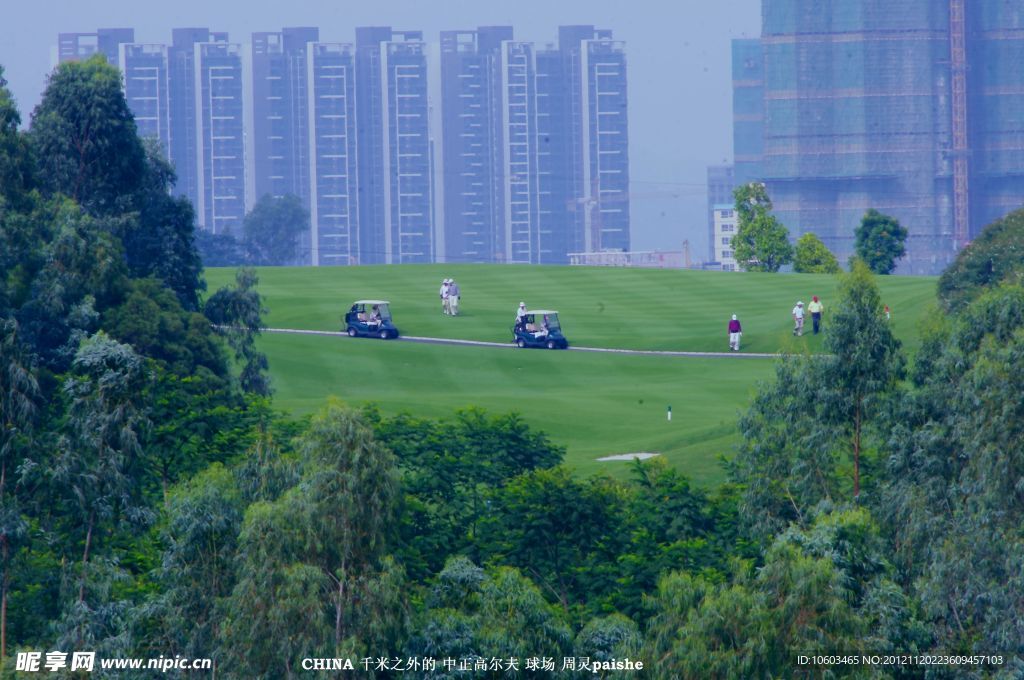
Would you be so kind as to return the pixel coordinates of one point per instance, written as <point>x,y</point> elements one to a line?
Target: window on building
<point>726,254</point>
<point>728,227</point>
<point>726,214</point>
<point>725,240</point>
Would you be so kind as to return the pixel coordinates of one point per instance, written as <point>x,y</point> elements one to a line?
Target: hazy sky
<point>678,67</point>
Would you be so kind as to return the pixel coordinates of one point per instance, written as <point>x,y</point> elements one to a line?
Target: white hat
<point>800,304</point>
<point>522,304</point>
<point>447,280</point>
<point>733,317</point>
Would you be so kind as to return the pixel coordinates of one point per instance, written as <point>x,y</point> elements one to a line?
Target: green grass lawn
<point>599,306</point>
<point>594,404</point>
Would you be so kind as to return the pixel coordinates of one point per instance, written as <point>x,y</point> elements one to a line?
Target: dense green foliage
<point>817,415</point>
<point>15,160</point>
<point>880,241</point>
<point>219,250</point>
<point>84,139</point>
<point>761,243</point>
<point>114,386</point>
<point>996,256</point>
<point>811,256</point>
<point>237,314</point>
<point>149,507</point>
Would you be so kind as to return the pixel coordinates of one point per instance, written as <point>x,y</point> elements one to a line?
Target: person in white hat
<point>735,331</point>
<point>521,318</point>
<point>454,295</point>
<point>444,296</point>
<point>798,319</point>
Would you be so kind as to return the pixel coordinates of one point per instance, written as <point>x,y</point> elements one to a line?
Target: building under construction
<point>913,108</point>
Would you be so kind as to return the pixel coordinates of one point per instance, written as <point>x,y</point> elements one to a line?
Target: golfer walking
<point>443,294</point>
<point>798,319</point>
<point>454,295</point>
<point>735,331</point>
<point>815,309</point>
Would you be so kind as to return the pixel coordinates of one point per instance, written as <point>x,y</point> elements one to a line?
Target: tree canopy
<point>84,137</point>
<point>272,229</point>
<point>761,243</point>
<point>16,171</point>
<point>812,257</point>
<point>881,241</point>
<point>995,256</point>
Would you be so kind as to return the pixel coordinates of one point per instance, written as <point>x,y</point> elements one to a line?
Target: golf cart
<point>371,319</point>
<point>539,328</point>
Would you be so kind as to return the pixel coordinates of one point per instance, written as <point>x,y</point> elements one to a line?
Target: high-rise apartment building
<point>208,126</point>
<point>146,74</point>
<point>532,164</point>
<point>144,69</point>
<point>583,126</point>
<point>183,149</point>
<point>489,90</point>
<point>105,41</point>
<point>304,136</point>
<point>395,179</point>
<point>906,107</point>
<point>333,169</point>
<point>517,154</point>
<point>279,162</point>
<point>557,191</point>
<point>470,83</point>
<point>189,96</point>
<point>535,145</point>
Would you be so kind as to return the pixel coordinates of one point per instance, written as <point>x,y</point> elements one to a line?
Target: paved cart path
<point>509,345</point>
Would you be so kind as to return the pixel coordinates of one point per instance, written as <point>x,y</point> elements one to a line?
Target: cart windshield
<point>547,320</point>
<point>369,311</point>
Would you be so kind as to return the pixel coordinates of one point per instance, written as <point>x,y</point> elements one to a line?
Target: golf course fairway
<point>594,404</point>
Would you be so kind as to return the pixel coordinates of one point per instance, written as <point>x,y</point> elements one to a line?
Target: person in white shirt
<point>454,295</point>
<point>521,317</point>
<point>374,318</point>
<point>444,296</point>
<point>542,332</point>
<point>798,319</point>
